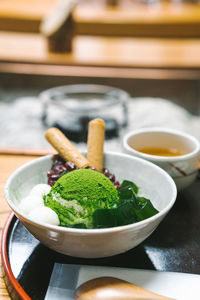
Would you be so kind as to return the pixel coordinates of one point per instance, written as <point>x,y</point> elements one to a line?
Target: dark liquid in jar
<point>160,151</point>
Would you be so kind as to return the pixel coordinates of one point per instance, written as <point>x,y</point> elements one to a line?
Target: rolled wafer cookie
<point>95,142</point>
<point>65,148</point>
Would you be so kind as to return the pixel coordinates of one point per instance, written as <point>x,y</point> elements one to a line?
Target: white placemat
<point>65,278</point>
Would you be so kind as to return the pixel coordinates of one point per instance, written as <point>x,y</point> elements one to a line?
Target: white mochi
<point>40,190</point>
<point>27,204</point>
<point>44,215</point>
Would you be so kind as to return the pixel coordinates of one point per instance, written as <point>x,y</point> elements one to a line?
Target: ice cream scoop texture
<point>77,194</point>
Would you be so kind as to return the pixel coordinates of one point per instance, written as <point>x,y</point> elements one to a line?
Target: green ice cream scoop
<point>77,194</point>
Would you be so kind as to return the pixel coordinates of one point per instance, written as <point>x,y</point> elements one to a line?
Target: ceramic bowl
<point>183,169</point>
<point>153,182</point>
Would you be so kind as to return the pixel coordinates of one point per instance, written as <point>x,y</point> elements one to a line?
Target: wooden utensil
<point>110,288</point>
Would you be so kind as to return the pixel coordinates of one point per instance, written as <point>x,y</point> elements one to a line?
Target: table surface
<point>107,52</point>
<point>23,15</point>
<point>157,55</point>
<point>154,58</point>
<point>186,246</point>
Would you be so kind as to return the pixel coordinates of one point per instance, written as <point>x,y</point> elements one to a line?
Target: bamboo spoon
<point>110,288</point>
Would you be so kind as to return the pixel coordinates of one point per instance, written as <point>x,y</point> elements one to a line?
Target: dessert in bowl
<point>100,241</point>
<point>152,181</point>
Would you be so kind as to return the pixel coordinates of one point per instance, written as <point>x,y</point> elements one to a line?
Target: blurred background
<point>135,63</point>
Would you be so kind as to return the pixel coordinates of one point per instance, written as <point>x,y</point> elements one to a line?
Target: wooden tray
<point>174,246</point>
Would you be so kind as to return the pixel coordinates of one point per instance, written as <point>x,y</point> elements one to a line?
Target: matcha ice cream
<point>77,194</point>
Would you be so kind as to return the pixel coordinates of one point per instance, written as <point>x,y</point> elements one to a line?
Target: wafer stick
<point>65,148</point>
<point>95,142</point>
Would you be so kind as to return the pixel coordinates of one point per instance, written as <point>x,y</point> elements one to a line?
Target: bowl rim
<point>95,231</point>
<point>157,158</point>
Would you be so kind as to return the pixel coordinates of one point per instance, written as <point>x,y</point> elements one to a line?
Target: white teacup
<point>183,168</point>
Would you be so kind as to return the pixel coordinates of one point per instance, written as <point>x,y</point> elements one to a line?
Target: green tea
<point>160,151</point>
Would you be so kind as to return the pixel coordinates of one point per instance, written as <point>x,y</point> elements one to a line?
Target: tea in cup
<point>176,152</point>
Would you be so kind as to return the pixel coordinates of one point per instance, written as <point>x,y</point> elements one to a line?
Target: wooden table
<point>8,164</point>
<point>159,41</point>
<point>93,17</point>
<point>127,58</point>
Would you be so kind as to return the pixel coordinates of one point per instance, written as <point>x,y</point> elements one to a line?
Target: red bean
<point>60,166</point>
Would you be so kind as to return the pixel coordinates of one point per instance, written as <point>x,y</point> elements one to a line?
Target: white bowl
<point>153,182</point>
<point>183,169</point>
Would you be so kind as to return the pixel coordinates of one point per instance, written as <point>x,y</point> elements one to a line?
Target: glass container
<point>71,107</point>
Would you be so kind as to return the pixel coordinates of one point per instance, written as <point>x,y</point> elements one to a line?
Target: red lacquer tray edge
<point>5,262</point>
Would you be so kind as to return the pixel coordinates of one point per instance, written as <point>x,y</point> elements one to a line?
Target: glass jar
<point>71,107</point>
